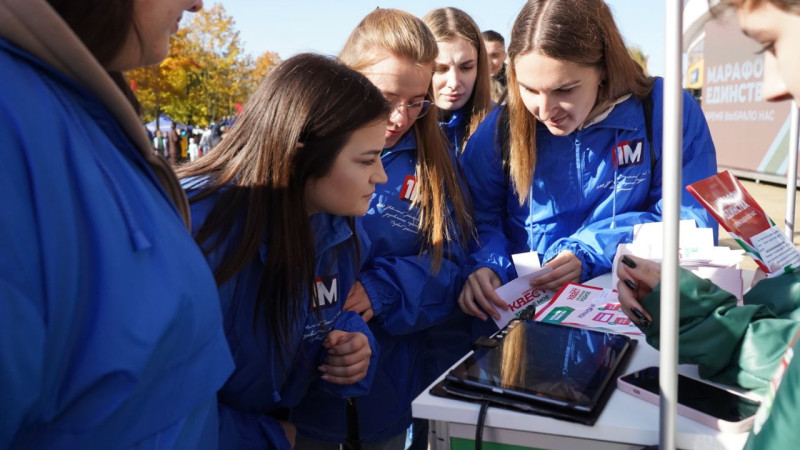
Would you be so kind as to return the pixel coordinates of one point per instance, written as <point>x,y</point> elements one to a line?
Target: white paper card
<point>517,294</point>
<point>525,263</point>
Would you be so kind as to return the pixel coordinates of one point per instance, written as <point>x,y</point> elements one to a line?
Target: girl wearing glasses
<point>273,209</point>
<point>573,162</point>
<point>461,80</point>
<point>416,224</point>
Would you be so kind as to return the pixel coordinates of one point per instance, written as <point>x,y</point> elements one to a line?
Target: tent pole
<point>791,173</point>
<point>672,156</point>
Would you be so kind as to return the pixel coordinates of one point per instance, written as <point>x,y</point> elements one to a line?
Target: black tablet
<point>555,365</point>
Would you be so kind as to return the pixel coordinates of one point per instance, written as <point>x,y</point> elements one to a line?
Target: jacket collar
<point>624,114</point>
<point>607,110</point>
<point>406,143</point>
<point>36,28</point>
<point>456,119</point>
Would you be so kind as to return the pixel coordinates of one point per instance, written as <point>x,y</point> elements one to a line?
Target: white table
<point>626,421</point>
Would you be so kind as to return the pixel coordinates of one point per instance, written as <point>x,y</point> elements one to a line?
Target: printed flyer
<point>741,216</point>
<point>587,307</point>
<point>518,296</point>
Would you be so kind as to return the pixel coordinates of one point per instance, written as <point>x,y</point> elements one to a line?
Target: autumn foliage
<point>206,74</point>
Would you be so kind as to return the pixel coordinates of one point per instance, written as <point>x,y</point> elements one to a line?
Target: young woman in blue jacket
<point>110,330</point>
<point>461,80</point>
<point>416,224</point>
<point>577,163</point>
<point>273,207</point>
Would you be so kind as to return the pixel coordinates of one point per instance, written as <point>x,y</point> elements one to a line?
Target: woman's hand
<point>566,267</point>
<point>348,357</point>
<point>358,301</point>
<point>478,296</point>
<point>637,278</point>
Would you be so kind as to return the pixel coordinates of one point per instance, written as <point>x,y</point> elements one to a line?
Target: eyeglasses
<point>414,110</point>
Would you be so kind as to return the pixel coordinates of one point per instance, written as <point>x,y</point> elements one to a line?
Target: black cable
<point>479,425</point>
<point>353,439</point>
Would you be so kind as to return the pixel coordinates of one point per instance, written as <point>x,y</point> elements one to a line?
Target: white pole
<point>791,173</point>
<point>672,155</point>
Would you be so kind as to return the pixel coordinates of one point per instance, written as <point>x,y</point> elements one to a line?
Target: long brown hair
<point>291,130</point>
<point>581,32</point>
<point>449,23</point>
<point>406,36</point>
<point>103,28</point>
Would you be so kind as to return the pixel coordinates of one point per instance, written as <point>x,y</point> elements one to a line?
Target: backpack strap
<point>647,105</point>
<point>503,131</point>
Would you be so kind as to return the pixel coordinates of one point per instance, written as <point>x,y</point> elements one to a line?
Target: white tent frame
<point>672,161</point>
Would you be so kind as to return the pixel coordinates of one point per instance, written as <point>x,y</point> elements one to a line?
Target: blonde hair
<point>405,36</point>
<point>581,32</point>
<point>450,23</point>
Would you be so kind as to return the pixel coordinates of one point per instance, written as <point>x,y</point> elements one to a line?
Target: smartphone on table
<point>702,402</point>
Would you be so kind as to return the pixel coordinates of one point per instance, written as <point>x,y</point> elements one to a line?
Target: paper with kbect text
<point>518,294</point>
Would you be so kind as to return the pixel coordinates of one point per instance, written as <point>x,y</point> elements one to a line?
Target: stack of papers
<point>698,254</point>
<point>587,307</point>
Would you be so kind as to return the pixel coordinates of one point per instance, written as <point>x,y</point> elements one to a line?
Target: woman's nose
<point>379,177</point>
<point>773,88</point>
<point>452,79</point>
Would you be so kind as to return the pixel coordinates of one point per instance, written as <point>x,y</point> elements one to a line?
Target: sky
<point>288,27</point>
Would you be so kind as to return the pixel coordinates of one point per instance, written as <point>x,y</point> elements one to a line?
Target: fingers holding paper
<point>566,268</point>
<point>478,296</point>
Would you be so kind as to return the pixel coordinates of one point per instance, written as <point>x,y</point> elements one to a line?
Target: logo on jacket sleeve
<point>629,153</point>
<point>408,192</point>
<point>327,293</point>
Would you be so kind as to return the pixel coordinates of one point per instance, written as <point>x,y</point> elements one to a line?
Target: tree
<point>639,56</point>
<point>264,65</point>
<point>223,67</point>
<point>205,75</point>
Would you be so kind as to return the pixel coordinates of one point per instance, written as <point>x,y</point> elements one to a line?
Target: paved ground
<point>772,198</point>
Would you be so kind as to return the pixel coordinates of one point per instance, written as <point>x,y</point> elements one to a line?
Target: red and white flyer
<point>744,219</point>
<point>518,295</point>
<point>587,307</point>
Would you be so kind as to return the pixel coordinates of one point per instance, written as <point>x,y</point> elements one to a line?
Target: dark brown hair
<point>582,32</point>
<point>103,28</point>
<point>291,130</point>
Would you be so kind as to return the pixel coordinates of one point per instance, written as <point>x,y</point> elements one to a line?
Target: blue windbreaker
<point>263,381</point>
<point>406,299</point>
<point>110,329</point>
<point>584,198</point>
<point>455,129</point>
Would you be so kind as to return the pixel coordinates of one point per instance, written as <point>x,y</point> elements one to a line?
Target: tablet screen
<point>552,363</point>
